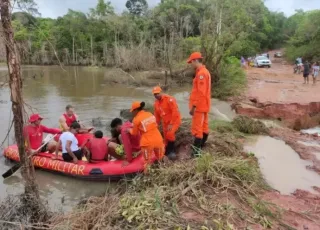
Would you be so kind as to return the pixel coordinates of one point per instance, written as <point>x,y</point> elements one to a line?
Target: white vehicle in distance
<point>262,61</point>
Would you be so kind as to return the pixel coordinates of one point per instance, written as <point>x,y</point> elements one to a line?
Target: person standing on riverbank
<point>315,73</point>
<point>306,72</point>
<point>145,124</point>
<point>200,101</point>
<point>243,62</point>
<point>166,110</point>
<point>33,134</point>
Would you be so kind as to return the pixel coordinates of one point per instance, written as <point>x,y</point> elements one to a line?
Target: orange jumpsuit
<point>166,110</point>
<point>200,97</point>
<point>151,140</point>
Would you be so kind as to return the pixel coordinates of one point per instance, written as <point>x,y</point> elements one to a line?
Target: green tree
<point>225,23</point>
<point>102,10</point>
<point>21,32</point>
<point>305,41</point>
<point>137,7</point>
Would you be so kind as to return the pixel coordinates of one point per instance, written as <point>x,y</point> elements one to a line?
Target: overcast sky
<point>56,8</point>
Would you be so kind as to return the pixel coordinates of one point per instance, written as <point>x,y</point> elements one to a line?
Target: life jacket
<point>70,120</point>
<point>145,124</point>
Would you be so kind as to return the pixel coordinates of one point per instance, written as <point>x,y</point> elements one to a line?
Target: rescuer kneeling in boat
<point>128,144</point>
<point>68,118</point>
<point>145,124</point>
<point>166,111</point>
<point>33,134</point>
<point>69,144</point>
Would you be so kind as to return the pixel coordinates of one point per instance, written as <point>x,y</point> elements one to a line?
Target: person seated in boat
<point>128,144</point>
<point>151,141</point>
<point>33,134</point>
<point>96,148</point>
<point>68,118</point>
<point>69,143</point>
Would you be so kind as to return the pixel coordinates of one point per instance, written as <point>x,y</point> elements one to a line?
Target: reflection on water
<point>282,167</point>
<point>47,90</point>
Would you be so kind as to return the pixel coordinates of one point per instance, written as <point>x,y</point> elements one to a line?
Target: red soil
<point>277,93</point>
<point>280,85</point>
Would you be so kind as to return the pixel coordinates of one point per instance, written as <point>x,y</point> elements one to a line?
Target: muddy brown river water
<point>281,165</point>
<point>47,90</point>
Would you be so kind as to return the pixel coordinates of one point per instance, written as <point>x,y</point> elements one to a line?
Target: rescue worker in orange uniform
<point>166,110</point>
<point>145,124</point>
<point>200,101</point>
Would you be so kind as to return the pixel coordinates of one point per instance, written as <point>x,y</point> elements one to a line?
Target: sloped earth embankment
<point>294,115</point>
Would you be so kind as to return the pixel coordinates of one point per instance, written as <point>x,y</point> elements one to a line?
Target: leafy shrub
<point>232,79</point>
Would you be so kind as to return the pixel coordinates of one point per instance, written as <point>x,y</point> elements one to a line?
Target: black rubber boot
<point>196,152</point>
<point>170,153</point>
<point>204,139</point>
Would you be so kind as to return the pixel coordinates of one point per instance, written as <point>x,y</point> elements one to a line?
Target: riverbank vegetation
<point>143,38</point>
<point>163,37</point>
<point>216,191</point>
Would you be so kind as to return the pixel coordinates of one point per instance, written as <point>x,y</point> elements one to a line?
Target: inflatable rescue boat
<point>101,171</point>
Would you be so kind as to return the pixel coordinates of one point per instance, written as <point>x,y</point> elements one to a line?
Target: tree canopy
<point>169,31</point>
<point>303,33</point>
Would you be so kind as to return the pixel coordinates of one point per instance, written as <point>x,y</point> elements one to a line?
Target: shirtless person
<point>68,118</point>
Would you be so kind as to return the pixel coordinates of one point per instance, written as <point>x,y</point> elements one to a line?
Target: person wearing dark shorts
<point>69,143</point>
<point>306,72</point>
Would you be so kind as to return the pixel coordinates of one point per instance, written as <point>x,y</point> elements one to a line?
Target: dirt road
<point>280,85</point>
<point>278,93</point>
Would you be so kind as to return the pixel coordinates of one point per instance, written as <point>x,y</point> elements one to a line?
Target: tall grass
<point>160,199</point>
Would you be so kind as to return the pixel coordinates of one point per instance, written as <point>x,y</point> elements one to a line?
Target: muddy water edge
<point>47,90</point>
<point>281,166</point>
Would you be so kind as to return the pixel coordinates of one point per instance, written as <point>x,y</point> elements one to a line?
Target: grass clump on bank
<point>207,192</point>
<point>248,125</point>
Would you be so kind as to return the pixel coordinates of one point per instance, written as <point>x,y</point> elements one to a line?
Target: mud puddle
<point>281,166</point>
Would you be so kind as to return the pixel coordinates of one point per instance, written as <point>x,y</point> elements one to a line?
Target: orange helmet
<point>135,105</point>
<point>156,90</point>
<point>194,56</point>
